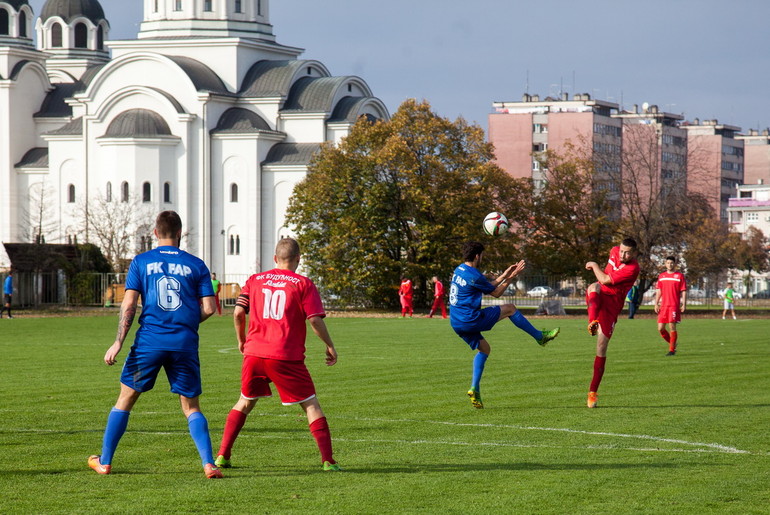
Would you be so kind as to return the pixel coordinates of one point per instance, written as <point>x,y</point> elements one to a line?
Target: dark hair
<point>629,242</point>
<point>671,258</point>
<point>471,249</point>
<point>168,224</point>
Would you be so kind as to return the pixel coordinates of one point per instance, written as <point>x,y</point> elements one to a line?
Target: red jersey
<point>622,275</point>
<point>671,286</point>
<point>438,290</point>
<point>406,288</point>
<point>278,302</point>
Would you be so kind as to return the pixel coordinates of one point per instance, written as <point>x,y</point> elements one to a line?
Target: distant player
<point>729,296</point>
<point>217,286</point>
<point>405,294</point>
<point>438,298</point>
<point>605,299</point>
<point>469,320</point>
<point>7,294</point>
<point>279,302</point>
<point>670,302</point>
<point>176,294</point>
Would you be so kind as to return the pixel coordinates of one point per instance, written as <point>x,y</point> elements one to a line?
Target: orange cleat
<point>94,463</point>
<point>212,471</point>
<point>593,398</point>
<point>593,327</point>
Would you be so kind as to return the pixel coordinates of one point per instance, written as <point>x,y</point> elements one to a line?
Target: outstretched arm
<point>127,314</point>
<point>319,328</point>
<point>506,278</point>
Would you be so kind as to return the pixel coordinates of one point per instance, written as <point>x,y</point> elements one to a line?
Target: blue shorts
<point>183,370</point>
<point>471,332</point>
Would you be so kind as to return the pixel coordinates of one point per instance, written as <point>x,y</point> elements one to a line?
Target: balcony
<point>747,202</point>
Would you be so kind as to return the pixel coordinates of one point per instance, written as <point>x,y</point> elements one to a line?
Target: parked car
<point>736,295</point>
<point>540,291</point>
<point>565,292</point>
<point>764,294</point>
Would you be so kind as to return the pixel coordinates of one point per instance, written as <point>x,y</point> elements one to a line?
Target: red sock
<point>672,342</point>
<point>598,373</point>
<point>233,426</point>
<point>594,303</point>
<point>323,438</point>
<point>665,335</point>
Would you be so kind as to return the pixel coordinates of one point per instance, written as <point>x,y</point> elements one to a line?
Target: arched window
<point>167,192</point>
<point>81,35</point>
<point>71,193</point>
<point>108,193</point>
<point>177,5</point>
<point>207,6</point>
<point>22,24</point>
<point>155,8</point>
<point>259,7</point>
<point>238,6</point>
<point>237,244</point>
<point>56,35</point>
<point>233,192</point>
<point>5,23</point>
<point>146,192</point>
<point>124,192</point>
<point>100,38</point>
<point>231,246</point>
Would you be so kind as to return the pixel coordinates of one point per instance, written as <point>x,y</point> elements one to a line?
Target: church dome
<point>138,123</point>
<point>69,9</point>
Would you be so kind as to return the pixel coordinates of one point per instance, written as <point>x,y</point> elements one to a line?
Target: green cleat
<point>222,462</point>
<point>548,336</point>
<point>332,467</point>
<point>475,396</point>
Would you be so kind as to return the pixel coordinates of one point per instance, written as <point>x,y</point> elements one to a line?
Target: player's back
<point>279,302</point>
<point>171,283</point>
<point>465,293</point>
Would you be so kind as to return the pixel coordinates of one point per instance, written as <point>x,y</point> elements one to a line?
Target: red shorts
<point>608,313</point>
<point>291,378</point>
<point>669,315</point>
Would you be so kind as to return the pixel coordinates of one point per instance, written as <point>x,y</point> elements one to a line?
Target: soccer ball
<point>495,224</point>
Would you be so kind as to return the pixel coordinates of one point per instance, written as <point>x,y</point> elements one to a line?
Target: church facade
<point>204,113</point>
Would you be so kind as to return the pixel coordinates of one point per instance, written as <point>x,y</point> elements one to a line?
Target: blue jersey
<point>468,286</point>
<point>8,286</point>
<point>171,283</point>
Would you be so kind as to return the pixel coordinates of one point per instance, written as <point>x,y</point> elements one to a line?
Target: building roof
<point>202,77</point>
<point>16,4</point>
<point>271,78</point>
<point>55,105</point>
<point>237,120</point>
<point>34,158</point>
<point>71,9</point>
<point>347,110</point>
<point>291,154</point>
<point>73,128</point>
<point>314,94</point>
<point>138,123</point>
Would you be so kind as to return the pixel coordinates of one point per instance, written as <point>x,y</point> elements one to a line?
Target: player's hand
<point>683,308</point>
<point>590,265</point>
<point>656,308</point>
<point>241,346</point>
<point>331,356</point>
<point>112,352</point>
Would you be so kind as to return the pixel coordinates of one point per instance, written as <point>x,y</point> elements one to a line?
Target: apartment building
<point>756,156</point>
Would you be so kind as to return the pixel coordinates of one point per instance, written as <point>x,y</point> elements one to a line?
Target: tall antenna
<point>526,86</point>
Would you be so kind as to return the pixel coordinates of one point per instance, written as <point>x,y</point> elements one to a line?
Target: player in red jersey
<point>405,294</point>
<point>605,300</point>
<point>278,303</point>
<point>438,298</point>
<point>670,302</point>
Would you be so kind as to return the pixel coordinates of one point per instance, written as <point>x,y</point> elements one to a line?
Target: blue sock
<point>117,421</point>
<point>522,323</point>
<point>199,430</point>
<point>478,368</point>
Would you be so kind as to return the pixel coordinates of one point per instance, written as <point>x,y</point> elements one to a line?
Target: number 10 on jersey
<point>274,304</point>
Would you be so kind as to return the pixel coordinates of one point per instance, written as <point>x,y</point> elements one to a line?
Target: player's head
<point>729,285</point>
<point>287,253</point>
<point>434,279</point>
<point>168,225</point>
<point>627,250</point>
<point>670,263</point>
<point>471,251</point>
<point>213,275</point>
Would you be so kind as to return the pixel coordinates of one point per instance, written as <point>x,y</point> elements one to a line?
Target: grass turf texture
<point>687,434</point>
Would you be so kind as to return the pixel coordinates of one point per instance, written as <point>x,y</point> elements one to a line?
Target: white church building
<point>204,113</point>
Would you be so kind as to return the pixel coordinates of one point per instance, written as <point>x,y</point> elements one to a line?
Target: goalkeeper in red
<point>278,303</point>
<point>605,299</point>
<point>670,302</point>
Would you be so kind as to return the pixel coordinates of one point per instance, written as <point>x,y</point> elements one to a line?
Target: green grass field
<point>688,434</point>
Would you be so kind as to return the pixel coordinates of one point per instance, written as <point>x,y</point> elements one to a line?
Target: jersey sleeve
<point>311,302</point>
<point>205,288</point>
<point>243,297</point>
<point>133,278</point>
<point>683,284</point>
<point>627,273</point>
<point>482,283</point>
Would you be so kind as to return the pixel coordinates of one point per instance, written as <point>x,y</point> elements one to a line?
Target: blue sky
<point>701,58</point>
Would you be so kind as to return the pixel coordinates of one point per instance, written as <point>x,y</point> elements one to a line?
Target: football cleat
<point>548,336</point>
<point>222,462</point>
<point>475,397</point>
<point>211,471</point>
<point>671,353</point>
<point>94,463</point>
<point>333,467</point>
<point>593,327</point>
<point>593,398</point>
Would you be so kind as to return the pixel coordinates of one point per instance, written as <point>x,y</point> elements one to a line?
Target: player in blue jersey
<point>176,293</point>
<point>469,320</point>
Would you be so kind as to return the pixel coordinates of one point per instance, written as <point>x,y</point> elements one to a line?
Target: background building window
<point>81,35</point>
<point>167,192</point>
<point>177,5</point>
<point>238,6</point>
<point>22,24</point>
<point>146,192</point>
<point>100,38</point>
<point>233,192</point>
<point>234,245</point>
<point>108,193</point>
<point>71,193</point>
<point>56,35</point>
<point>124,192</point>
<point>5,23</point>
<point>207,5</point>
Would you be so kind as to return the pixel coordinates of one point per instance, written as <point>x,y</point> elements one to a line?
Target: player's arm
<point>657,300</point>
<point>239,322</point>
<point>208,307</point>
<point>603,278</point>
<point>127,314</point>
<point>683,304</point>
<point>506,278</point>
<point>319,328</point>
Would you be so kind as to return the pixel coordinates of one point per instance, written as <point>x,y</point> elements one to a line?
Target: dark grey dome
<point>69,9</point>
<point>16,4</point>
<point>239,120</point>
<point>138,123</point>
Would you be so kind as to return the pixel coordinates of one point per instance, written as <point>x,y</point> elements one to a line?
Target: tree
<point>395,198</point>
<point>751,254</point>
<point>38,220</point>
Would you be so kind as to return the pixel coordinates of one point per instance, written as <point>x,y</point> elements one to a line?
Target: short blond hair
<point>286,249</point>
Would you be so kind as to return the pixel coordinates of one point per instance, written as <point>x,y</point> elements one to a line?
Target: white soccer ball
<point>495,224</point>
